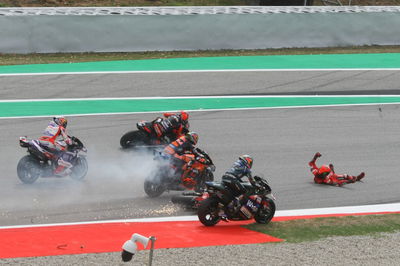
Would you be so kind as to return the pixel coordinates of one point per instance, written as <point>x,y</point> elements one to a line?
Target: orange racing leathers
<point>181,152</point>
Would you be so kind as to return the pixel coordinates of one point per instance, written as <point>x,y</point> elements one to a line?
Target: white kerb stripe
<point>379,208</point>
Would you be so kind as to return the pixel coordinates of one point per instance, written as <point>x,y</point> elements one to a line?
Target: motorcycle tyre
<point>24,169</point>
<point>186,202</point>
<point>133,138</point>
<point>261,219</point>
<point>152,189</point>
<point>80,169</point>
<point>206,209</point>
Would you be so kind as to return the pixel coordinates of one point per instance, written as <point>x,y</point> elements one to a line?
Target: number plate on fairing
<point>252,206</point>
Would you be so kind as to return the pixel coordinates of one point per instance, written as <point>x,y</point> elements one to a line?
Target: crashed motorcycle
<point>215,205</point>
<point>167,178</point>
<point>42,163</point>
<point>145,137</point>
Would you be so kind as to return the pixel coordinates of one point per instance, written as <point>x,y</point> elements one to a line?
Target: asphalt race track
<point>282,141</point>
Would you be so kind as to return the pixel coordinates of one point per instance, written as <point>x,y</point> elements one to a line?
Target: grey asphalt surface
<point>203,83</point>
<point>282,141</point>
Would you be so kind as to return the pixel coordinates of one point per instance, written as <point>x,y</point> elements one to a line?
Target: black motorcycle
<point>214,206</point>
<point>42,163</point>
<point>167,178</point>
<point>144,137</point>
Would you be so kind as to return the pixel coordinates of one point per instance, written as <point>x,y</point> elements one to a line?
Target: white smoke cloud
<point>114,176</point>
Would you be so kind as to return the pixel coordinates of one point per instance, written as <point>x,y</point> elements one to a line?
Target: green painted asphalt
<point>323,61</point>
<point>75,107</point>
<point>82,107</point>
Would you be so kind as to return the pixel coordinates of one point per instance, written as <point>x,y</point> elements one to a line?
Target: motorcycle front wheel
<point>208,176</point>
<point>28,169</point>
<point>133,139</point>
<point>208,212</point>
<point>266,213</point>
<point>80,169</point>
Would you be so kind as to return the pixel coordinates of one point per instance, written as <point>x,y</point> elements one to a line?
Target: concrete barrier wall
<point>53,33</point>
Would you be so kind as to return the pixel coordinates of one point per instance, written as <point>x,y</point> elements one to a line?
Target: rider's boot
<point>234,205</point>
<point>223,216</point>
<point>360,176</point>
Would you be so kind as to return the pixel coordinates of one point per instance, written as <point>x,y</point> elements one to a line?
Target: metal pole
<point>152,239</point>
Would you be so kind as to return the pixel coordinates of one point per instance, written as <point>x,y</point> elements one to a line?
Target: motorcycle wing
<point>23,142</point>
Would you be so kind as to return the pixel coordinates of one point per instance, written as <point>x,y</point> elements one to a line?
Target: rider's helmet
<point>61,121</point>
<point>247,159</point>
<point>185,119</point>
<point>324,170</point>
<point>193,137</point>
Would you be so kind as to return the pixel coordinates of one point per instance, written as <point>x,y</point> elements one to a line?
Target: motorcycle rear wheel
<point>265,214</point>
<point>132,139</point>
<point>153,189</point>
<point>28,169</point>
<point>208,212</point>
<point>186,202</point>
<point>80,169</point>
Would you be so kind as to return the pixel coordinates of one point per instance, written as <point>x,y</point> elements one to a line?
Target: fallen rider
<point>326,174</point>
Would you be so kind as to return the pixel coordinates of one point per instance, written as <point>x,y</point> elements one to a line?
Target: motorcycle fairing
<point>37,150</point>
<point>144,126</point>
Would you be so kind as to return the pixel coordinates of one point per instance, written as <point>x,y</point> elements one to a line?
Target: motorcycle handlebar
<point>76,142</point>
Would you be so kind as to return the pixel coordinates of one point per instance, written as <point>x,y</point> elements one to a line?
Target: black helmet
<point>193,137</point>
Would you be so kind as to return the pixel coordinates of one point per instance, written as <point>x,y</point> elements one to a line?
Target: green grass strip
<point>324,61</point>
<point>74,107</point>
<point>295,231</point>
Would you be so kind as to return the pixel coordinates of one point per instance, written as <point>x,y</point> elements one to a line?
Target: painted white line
<point>197,71</point>
<point>201,110</point>
<point>199,97</point>
<point>138,220</point>
<point>393,207</point>
<point>378,208</point>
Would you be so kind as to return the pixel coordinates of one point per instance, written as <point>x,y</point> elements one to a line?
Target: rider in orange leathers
<point>326,174</point>
<point>182,153</point>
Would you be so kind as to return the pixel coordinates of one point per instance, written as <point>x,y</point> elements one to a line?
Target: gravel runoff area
<point>380,249</point>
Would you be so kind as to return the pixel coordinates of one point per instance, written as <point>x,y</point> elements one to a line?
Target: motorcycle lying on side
<point>214,206</point>
<point>167,178</point>
<point>42,163</point>
<point>144,137</point>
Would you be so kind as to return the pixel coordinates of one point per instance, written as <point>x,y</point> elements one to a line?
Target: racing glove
<point>332,169</point>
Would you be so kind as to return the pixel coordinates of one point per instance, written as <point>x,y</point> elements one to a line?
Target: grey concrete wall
<point>127,33</point>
